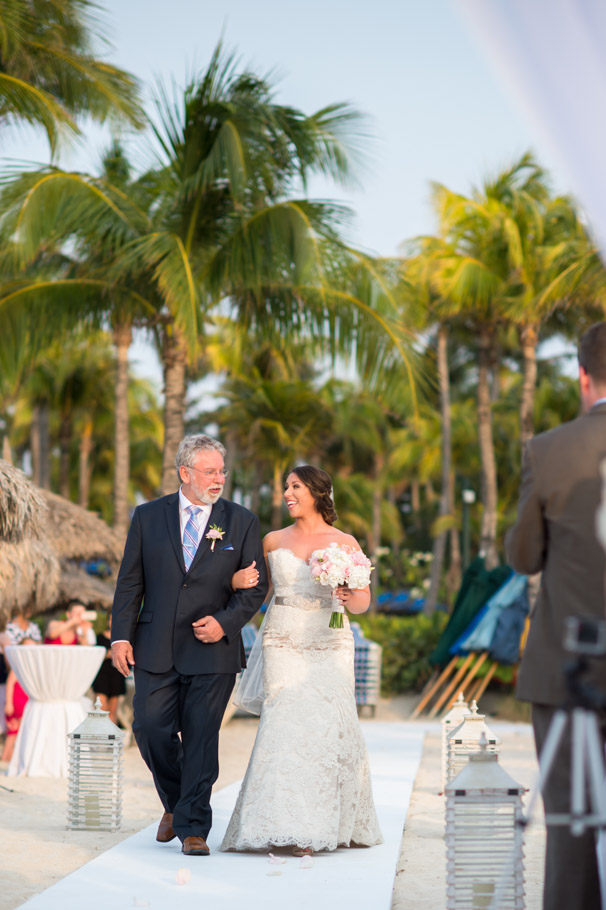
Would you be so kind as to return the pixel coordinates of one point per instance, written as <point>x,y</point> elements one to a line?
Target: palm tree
<point>476,282</point>
<point>49,72</point>
<point>212,223</point>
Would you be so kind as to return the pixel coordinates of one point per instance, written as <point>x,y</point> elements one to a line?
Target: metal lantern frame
<point>484,837</point>
<point>463,741</point>
<point>95,773</point>
<point>449,723</point>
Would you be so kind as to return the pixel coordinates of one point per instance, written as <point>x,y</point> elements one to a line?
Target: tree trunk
<point>40,446</point>
<point>439,542</point>
<point>276,498</point>
<point>230,460</point>
<point>85,467</point>
<point>174,361</point>
<point>488,532</point>
<point>396,550</point>
<point>34,444</point>
<point>453,576</point>
<point>374,541</point>
<point>123,337</point>
<point>65,438</point>
<point>255,493</point>
<point>415,497</point>
<point>7,455</point>
<point>374,537</point>
<point>529,337</point>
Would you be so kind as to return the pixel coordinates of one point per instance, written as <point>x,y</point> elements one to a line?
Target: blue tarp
<point>479,634</point>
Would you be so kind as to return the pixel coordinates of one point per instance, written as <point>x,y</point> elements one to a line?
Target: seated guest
<point>21,626</point>
<point>109,684</point>
<point>75,629</point>
<point>16,700</point>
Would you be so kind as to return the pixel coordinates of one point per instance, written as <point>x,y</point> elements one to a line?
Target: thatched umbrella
<point>22,508</point>
<point>29,577</point>
<point>77,584</point>
<point>77,534</point>
<point>43,537</point>
<point>29,568</point>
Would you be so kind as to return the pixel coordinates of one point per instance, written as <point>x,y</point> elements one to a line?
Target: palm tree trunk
<point>7,455</point>
<point>276,498</point>
<point>230,460</point>
<point>174,361</point>
<point>255,493</point>
<point>488,532</point>
<point>45,447</point>
<point>396,550</point>
<point>439,541</point>
<point>40,445</point>
<point>377,500</point>
<point>415,498</point>
<point>65,438</point>
<point>529,337</point>
<point>85,468</point>
<point>453,576</point>
<point>123,337</point>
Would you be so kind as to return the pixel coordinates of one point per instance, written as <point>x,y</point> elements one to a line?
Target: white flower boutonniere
<point>216,533</point>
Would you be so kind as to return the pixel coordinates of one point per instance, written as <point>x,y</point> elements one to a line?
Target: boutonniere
<point>216,533</point>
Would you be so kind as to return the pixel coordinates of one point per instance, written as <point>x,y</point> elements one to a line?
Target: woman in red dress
<point>16,700</point>
<point>75,629</point>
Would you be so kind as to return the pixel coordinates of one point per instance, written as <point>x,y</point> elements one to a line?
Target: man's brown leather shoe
<point>165,829</point>
<point>195,846</point>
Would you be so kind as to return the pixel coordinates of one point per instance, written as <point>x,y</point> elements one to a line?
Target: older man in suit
<point>176,619</point>
<point>555,534</point>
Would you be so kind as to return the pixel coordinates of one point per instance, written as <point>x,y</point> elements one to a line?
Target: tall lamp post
<point>469,497</point>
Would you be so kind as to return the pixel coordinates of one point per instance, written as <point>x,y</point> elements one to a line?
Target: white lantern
<point>451,720</point>
<point>463,740</point>
<point>484,836</point>
<point>95,773</point>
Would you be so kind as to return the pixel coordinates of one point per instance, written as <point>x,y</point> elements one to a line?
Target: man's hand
<point>122,657</point>
<point>208,630</point>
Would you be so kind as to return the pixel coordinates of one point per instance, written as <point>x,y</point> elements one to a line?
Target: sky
<point>435,111</point>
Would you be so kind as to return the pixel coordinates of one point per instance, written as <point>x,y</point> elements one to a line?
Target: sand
<point>37,850</point>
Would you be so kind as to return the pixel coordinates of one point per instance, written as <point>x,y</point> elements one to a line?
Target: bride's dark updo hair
<point>319,484</point>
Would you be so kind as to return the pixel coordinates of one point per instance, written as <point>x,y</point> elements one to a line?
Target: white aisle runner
<point>139,872</point>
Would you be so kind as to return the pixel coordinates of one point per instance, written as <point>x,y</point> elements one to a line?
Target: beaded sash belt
<point>303,602</point>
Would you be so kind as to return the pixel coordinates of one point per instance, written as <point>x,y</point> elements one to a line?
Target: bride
<point>308,781</point>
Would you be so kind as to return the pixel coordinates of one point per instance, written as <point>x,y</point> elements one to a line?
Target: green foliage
<point>407,642</point>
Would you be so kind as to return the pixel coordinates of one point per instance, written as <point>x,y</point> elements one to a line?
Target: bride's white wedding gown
<point>308,780</point>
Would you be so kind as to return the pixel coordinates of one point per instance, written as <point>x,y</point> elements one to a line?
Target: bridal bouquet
<point>340,565</point>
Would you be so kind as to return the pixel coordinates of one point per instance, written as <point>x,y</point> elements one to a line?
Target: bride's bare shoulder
<point>348,540</point>
<point>272,541</point>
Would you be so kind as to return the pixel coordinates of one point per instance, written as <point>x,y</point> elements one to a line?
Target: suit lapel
<point>215,518</point>
<point>174,527</point>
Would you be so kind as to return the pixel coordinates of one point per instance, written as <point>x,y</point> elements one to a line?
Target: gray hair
<point>191,445</point>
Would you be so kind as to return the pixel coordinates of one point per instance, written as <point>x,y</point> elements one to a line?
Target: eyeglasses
<point>208,474</point>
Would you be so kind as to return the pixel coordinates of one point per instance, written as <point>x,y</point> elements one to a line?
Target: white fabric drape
<point>550,56</point>
<point>55,677</point>
<point>250,691</point>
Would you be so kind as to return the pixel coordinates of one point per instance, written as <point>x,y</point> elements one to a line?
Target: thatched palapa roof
<point>29,576</point>
<point>42,538</point>
<point>22,507</point>
<point>76,584</point>
<point>76,533</point>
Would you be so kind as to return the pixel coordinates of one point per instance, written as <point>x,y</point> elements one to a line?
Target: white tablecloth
<point>55,678</point>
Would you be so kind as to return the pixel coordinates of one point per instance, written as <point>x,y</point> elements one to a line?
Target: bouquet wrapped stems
<point>336,617</point>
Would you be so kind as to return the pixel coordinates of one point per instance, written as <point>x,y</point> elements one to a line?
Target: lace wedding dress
<point>308,780</point>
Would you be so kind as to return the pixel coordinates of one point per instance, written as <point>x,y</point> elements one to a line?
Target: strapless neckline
<point>287,550</point>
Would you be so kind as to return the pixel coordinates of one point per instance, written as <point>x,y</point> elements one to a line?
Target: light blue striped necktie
<point>190,536</point>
